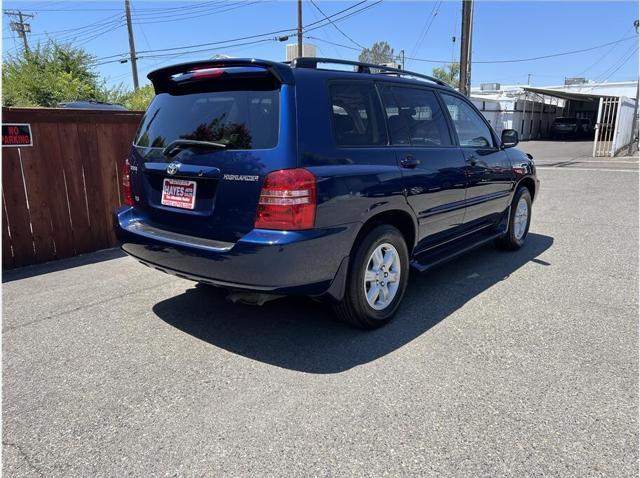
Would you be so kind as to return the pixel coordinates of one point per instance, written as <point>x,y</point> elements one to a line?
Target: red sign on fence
<point>16,135</point>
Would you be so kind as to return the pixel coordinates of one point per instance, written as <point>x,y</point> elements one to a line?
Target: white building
<point>512,107</point>
<point>531,110</point>
<point>308,50</point>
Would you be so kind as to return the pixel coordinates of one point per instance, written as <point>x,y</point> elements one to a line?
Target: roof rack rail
<point>362,67</point>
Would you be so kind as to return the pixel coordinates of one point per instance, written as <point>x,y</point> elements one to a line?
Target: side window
<point>356,115</point>
<point>414,117</point>
<point>472,130</point>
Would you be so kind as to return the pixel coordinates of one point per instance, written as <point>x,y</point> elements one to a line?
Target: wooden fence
<point>58,195</point>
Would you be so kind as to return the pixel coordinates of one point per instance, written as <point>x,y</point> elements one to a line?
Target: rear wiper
<point>175,146</point>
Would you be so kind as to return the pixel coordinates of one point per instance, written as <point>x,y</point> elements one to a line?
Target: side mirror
<point>509,138</point>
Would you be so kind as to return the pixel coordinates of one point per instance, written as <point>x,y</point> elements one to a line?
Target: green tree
<point>380,52</point>
<point>450,74</point>
<point>50,74</point>
<point>138,100</point>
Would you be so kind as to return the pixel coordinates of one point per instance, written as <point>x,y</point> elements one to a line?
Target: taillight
<point>126,184</point>
<point>207,73</point>
<point>287,200</point>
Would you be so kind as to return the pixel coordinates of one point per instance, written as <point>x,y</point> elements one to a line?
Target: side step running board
<point>433,257</point>
<point>439,255</point>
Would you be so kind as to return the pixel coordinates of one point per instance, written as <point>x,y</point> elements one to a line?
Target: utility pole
<point>132,45</point>
<point>634,127</point>
<point>529,79</point>
<point>402,58</point>
<point>465,47</point>
<point>20,27</point>
<point>299,28</point>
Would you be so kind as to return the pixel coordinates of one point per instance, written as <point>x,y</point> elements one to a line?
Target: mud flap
<point>335,292</point>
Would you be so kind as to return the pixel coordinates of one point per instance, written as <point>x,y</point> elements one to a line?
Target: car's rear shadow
<point>299,334</point>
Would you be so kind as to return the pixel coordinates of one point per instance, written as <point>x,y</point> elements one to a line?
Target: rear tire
<point>377,279</point>
<point>519,221</point>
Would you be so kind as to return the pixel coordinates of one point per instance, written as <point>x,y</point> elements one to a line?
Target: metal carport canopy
<point>567,95</point>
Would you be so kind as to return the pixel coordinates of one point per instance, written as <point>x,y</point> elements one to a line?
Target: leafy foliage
<point>49,74</point>
<point>137,100</point>
<point>450,74</point>
<point>53,73</point>
<point>380,52</point>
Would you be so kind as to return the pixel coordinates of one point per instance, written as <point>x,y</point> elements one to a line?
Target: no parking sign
<point>16,135</point>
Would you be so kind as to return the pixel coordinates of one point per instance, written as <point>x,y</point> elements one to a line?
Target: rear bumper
<point>278,262</point>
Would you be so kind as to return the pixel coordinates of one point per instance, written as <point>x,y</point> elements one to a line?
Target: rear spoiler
<point>280,71</point>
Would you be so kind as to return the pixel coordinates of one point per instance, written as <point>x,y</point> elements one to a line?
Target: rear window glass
<point>239,119</point>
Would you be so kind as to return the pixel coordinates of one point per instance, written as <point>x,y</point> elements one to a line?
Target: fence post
<point>596,137</point>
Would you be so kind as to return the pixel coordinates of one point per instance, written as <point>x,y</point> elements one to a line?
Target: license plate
<point>179,193</point>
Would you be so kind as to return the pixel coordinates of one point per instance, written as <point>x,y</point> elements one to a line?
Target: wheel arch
<point>528,183</point>
<point>402,220</point>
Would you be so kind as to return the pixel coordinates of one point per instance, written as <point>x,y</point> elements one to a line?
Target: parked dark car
<point>92,105</point>
<point>573,128</point>
<point>266,178</point>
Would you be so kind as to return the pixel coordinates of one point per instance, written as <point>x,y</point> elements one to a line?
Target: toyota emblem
<point>173,168</point>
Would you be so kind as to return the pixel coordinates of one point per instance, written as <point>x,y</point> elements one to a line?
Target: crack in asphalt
<point>81,307</point>
<point>24,455</point>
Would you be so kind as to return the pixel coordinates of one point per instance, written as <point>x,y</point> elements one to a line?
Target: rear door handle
<point>409,162</point>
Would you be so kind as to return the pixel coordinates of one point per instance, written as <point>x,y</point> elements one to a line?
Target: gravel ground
<point>498,364</point>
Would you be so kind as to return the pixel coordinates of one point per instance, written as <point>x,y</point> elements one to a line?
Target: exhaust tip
<point>251,298</point>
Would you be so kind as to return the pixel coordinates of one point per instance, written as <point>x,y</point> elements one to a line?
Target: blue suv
<point>273,179</point>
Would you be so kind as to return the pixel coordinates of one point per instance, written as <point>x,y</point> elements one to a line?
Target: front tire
<point>377,280</point>
<point>519,221</point>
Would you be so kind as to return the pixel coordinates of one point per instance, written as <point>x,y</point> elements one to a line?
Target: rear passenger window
<point>472,131</point>
<point>357,117</point>
<point>414,117</point>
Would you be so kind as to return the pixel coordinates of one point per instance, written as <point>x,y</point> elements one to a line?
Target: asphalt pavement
<point>498,364</point>
<point>574,154</point>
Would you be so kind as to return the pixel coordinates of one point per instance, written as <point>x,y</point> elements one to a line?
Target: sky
<point>503,31</point>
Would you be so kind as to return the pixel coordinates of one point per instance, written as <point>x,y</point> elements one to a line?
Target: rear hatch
<point>205,144</point>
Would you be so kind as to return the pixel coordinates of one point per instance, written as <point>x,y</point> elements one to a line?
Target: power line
<point>189,15</point>
<point>366,7</point>
<point>426,27</point>
<point>618,63</point>
<point>185,47</point>
<point>185,53</point>
<point>621,65</point>
<point>208,50</point>
<point>256,36</point>
<point>516,60</point>
<point>86,36</point>
<point>336,26</point>
<point>144,35</point>
<point>227,44</point>
<point>109,19</point>
<point>573,52</point>
<point>85,40</point>
<point>597,62</point>
<point>75,9</point>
